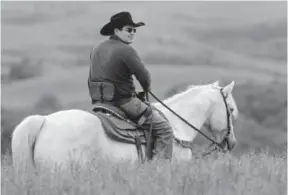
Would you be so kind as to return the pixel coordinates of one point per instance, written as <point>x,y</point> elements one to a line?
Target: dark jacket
<point>115,61</point>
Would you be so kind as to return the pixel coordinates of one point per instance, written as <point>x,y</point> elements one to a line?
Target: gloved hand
<point>141,95</point>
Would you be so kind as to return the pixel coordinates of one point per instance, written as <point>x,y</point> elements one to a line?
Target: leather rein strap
<point>181,142</point>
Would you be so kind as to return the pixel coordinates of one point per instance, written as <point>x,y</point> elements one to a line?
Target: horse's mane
<point>197,89</point>
<point>189,89</point>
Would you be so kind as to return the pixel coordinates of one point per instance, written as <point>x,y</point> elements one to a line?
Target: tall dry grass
<point>250,173</point>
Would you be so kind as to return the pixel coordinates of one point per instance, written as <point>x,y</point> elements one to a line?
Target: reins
<point>190,125</point>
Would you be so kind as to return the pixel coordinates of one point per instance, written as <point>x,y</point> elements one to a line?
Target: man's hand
<point>141,95</point>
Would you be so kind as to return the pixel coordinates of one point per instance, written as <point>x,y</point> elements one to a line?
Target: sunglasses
<point>129,30</point>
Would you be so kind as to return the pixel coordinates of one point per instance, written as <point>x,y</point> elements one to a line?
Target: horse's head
<point>222,115</point>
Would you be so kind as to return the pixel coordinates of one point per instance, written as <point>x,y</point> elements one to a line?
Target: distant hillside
<point>35,30</point>
<point>70,84</point>
<point>263,41</point>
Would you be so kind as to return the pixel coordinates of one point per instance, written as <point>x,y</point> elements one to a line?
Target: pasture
<point>44,66</point>
<point>247,174</point>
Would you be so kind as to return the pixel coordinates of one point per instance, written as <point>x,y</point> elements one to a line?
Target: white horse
<point>69,134</point>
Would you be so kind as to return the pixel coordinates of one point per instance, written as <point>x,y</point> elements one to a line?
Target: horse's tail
<point>23,141</point>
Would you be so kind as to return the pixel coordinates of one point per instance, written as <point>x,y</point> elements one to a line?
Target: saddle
<point>119,127</point>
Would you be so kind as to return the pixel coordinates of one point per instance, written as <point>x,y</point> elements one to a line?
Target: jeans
<point>161,130</point>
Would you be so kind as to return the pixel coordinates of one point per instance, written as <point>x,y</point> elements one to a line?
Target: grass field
<point>248,174</point>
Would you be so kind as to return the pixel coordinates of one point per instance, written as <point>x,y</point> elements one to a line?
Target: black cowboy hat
<point>118,21</point>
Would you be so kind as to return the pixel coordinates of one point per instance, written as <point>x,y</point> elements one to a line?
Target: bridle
<point>188,144</point>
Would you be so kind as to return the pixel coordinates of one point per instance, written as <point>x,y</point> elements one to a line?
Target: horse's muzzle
<point>231,143</point>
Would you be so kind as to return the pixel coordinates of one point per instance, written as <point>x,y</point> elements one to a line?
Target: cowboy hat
<point>118,21</point>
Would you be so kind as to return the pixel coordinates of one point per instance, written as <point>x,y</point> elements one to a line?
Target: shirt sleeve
<point>132,60</point>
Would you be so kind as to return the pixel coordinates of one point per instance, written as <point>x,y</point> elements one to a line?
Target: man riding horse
<point>113,63</point>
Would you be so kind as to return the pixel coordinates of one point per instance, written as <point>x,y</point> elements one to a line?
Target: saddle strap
<point>143,116</point>
<point>183,143</point>
<point>139,149</point>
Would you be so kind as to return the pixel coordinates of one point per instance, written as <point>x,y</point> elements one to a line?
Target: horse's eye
<point>231,109</point>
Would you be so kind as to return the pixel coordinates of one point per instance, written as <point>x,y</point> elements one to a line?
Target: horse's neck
<point>192,107</point>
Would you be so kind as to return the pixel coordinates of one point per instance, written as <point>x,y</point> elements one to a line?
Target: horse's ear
<point>215,84</point>
<point>229,88</point>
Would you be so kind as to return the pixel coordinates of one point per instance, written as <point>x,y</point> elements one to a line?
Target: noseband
<point>188,144</point>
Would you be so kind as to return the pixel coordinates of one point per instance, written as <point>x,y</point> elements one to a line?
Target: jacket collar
<point>114,37</point>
